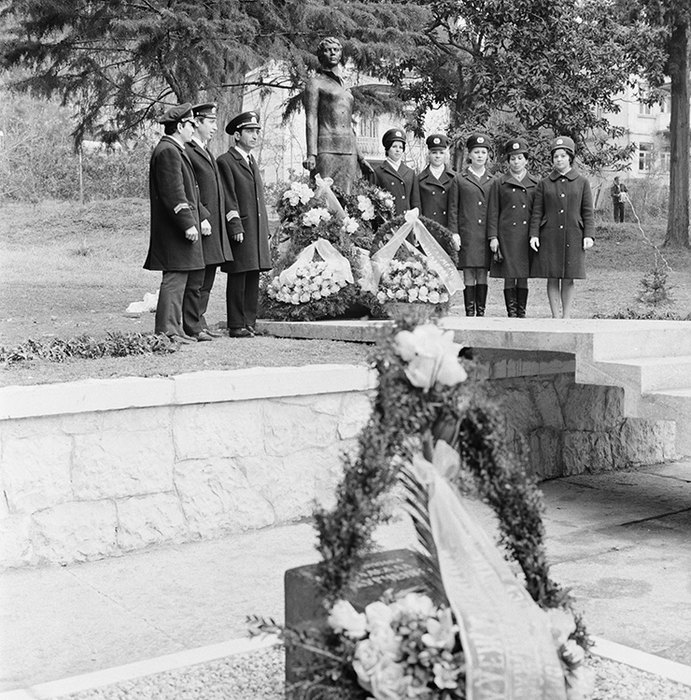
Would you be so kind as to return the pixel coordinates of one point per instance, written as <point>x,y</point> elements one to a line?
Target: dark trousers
<point>205,291</point>
<point>242,298</point>
<point>618,211</point>
<point>178,308</point>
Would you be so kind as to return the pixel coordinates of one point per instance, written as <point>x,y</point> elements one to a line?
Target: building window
<point>368,127</point>
<point>644,109</point>
<point>665,161</point>
<point>645,157</point>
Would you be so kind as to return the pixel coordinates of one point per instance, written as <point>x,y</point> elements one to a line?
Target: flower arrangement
<point>408,647</point>
<point>411,281</point>
<point>312,282</point>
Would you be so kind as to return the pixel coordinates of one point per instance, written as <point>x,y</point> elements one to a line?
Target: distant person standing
<point>394,176</point>
<point>177,219</point>
<point>216,246</point>
<point>508,221</point>
<point>618,192</point>
<point>247,222</point>
<point>561,227</point>
<point>468,218</point>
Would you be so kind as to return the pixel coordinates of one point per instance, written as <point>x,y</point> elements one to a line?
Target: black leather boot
<point>511,304</point>
<point>480,299</point>
<point>521,301</point>
<point>469,300</point>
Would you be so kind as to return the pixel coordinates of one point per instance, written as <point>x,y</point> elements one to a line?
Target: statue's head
<point>327,49</point>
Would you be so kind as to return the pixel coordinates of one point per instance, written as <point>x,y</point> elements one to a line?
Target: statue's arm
<point>310,101</point>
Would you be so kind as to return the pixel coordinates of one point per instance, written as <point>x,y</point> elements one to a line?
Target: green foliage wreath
<point>463,417</point>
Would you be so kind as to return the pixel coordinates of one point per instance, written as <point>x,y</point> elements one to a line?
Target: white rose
<point>345,618</point>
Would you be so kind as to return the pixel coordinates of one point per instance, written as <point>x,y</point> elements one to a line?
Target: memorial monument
<point>331,143</point>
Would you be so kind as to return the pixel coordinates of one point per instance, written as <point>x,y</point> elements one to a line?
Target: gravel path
<point>259,676</point>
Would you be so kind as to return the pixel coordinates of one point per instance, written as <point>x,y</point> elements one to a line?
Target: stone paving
<point>620,540</point>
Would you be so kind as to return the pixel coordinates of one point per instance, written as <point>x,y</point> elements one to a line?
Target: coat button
<point>402,196</point>
<point>443,212</point>
<point>514,223</point>
<point>479,221</point>
<point>513,206</point>
<point>479,203</point>
<point>561,227</point>
<point>561,211</point>
<point>563,195</point>
<point>525,222</point>
<point>433,193</point>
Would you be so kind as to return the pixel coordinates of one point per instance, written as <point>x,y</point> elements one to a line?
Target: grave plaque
<point>395,570</point>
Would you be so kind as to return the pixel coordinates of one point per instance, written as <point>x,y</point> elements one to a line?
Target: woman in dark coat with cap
<point>435,181</point>
<point>468,219</point>
<point>394,176</point>
<point>561,227</point>
<point>508,220</point>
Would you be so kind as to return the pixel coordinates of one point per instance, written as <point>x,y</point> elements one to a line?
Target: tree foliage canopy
<point>118,60</point>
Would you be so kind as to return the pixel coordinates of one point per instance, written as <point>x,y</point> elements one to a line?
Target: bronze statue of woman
<point>331,143</point>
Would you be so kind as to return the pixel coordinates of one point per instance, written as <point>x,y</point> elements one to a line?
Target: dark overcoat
<point>468,218</point>
<point>175,207</point>
<point>434,195</point>
<point>562,217</point>
<point>216,246</point>
<point>401,183</point>
<point>509,207</point>
<point>244,193</point>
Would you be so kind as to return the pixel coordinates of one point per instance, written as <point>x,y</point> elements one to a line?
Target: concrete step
<point>641,339</point>
<point>652,373</point>
<point>671,404</point>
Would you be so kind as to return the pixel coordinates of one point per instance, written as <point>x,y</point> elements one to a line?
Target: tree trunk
<point>678,66</point>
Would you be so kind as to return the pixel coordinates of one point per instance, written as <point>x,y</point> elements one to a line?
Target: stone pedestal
<point>395,570</point>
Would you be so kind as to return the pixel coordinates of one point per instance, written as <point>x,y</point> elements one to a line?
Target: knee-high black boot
<point>521,301</point>
<point>510,299</point>
<point>469,300</point>
<point>480,299</point>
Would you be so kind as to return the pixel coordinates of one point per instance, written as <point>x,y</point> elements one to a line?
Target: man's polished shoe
<point>213,333</point>
<point>203,336</point>
<point>239,333</point>
<point>182,339</point>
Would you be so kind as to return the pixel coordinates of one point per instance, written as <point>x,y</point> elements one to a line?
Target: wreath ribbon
<point>435,256</point>
<point>506,637</point>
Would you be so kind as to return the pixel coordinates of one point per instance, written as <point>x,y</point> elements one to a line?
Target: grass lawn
<point>67,270</point>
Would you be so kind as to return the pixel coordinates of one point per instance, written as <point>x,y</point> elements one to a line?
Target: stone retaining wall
<point>102,467</point>
<point>99,468</point>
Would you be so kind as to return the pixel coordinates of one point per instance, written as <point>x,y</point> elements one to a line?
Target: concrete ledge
<point>93,395</point>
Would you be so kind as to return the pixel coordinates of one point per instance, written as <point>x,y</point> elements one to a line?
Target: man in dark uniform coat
<point>247,223</point>
<point>177,219</point>
<point>435,181</point>
<point>394,176</point>
<point>216,246</point>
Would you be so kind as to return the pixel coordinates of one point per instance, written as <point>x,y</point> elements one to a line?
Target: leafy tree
<point>664,28</point>
<point>117,61</point>
<point>531,67</point>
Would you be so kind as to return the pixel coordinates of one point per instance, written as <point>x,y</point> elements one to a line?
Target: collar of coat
<point>528,181</point>
<point>201,148</point>
<point>571,175</point>
<point>446,174</point>
<point>402,170</point>
<point>471,177</point>
<point>235,153</point>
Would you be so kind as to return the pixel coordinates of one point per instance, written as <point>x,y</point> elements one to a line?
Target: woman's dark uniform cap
<point>391,136</point>
<point>437,141</point>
